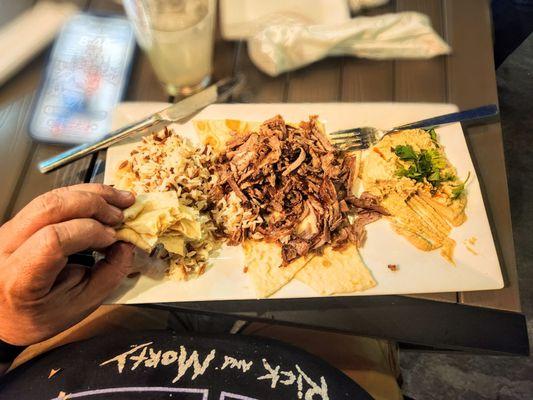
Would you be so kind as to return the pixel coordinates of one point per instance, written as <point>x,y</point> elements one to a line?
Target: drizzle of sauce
<point>469,244</point>
<point>448,245</point>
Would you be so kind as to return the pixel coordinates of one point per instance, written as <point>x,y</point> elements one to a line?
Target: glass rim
<point>210,11</point>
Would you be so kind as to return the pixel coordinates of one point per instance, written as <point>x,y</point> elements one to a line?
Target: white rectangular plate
<point>418,271</point>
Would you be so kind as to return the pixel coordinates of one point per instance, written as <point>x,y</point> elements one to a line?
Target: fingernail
<point>111,231</point>
<point>126,194</point>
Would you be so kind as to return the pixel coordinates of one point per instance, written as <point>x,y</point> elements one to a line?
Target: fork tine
<point>350,140</point>
<point>351,143</point>
<point>361,142</point>
<point>354,147</point>
<point>344,131</point>
<point>348,144</point>
<point>354,139</point>
<point>345,137</point>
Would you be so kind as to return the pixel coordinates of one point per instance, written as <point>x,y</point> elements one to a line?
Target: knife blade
<point>220,91</point>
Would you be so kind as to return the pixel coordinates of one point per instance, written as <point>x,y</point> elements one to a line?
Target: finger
<point>54,207</point>
<point>107,274</point>
<point>41,258</point>
<point>71,276</point>
<point>118,198</point>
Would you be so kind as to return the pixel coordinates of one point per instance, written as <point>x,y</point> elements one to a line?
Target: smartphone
<point>85,78</point>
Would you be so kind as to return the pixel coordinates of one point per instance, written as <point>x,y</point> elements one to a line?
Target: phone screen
<point>85,79</point>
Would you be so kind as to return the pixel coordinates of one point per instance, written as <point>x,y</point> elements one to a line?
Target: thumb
<point>107,274</point>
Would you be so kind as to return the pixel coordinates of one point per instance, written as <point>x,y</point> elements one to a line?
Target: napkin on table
<point>358,5</point>
<point>286,42</point>
<point>238,18</point>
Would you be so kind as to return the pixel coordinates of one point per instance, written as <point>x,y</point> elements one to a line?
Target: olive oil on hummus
<point>409,172</point>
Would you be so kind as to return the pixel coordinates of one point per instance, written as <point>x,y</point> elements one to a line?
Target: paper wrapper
<point>283,43</point>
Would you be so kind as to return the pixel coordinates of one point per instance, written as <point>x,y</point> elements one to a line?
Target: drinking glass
<point>177,36</point>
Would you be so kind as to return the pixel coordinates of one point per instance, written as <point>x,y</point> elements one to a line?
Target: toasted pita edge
<point>263,260</point>
<point>337,272</point>
<point>130,236</point>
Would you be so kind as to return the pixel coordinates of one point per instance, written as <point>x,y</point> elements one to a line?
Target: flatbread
<point>130,236</point>
<point>263,260</point>
<point>337,272</point>
<point>217,132</point>
<point>159,217</point>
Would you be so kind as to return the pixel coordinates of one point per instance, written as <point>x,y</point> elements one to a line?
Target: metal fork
<point>364,137</point>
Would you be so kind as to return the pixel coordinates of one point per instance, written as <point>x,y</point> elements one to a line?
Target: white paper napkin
<point>283,43</point>
<point>25,36</point>
<point>358,5</point>
<point>239,18</point>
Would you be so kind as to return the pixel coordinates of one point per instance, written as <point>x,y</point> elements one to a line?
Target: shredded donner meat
<point>288,184</point>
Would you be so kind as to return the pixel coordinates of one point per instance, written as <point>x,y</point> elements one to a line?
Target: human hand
<point>40,295</point>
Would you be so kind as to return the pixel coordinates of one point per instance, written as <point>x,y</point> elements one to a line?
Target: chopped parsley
<point>405,152</point>
<point>458,190</point>
<point>424,165</point>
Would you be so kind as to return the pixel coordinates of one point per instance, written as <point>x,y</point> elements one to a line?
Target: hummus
<point>424,206</point>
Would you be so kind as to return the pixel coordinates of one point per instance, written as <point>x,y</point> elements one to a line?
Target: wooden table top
<point>466,78</point>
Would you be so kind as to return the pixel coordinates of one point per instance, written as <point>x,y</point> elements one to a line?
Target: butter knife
<point>220,91</point>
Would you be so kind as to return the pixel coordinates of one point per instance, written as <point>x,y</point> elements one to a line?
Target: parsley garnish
<point>427,164</point>
<point>458,190</point>
<point>405,152</point>
<point>432,134</point>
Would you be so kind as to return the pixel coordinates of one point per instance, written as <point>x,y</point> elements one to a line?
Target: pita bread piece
<point>217,132</point>
<point>337,272</point>
<point>159,217</point>
<point>263,261</point>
